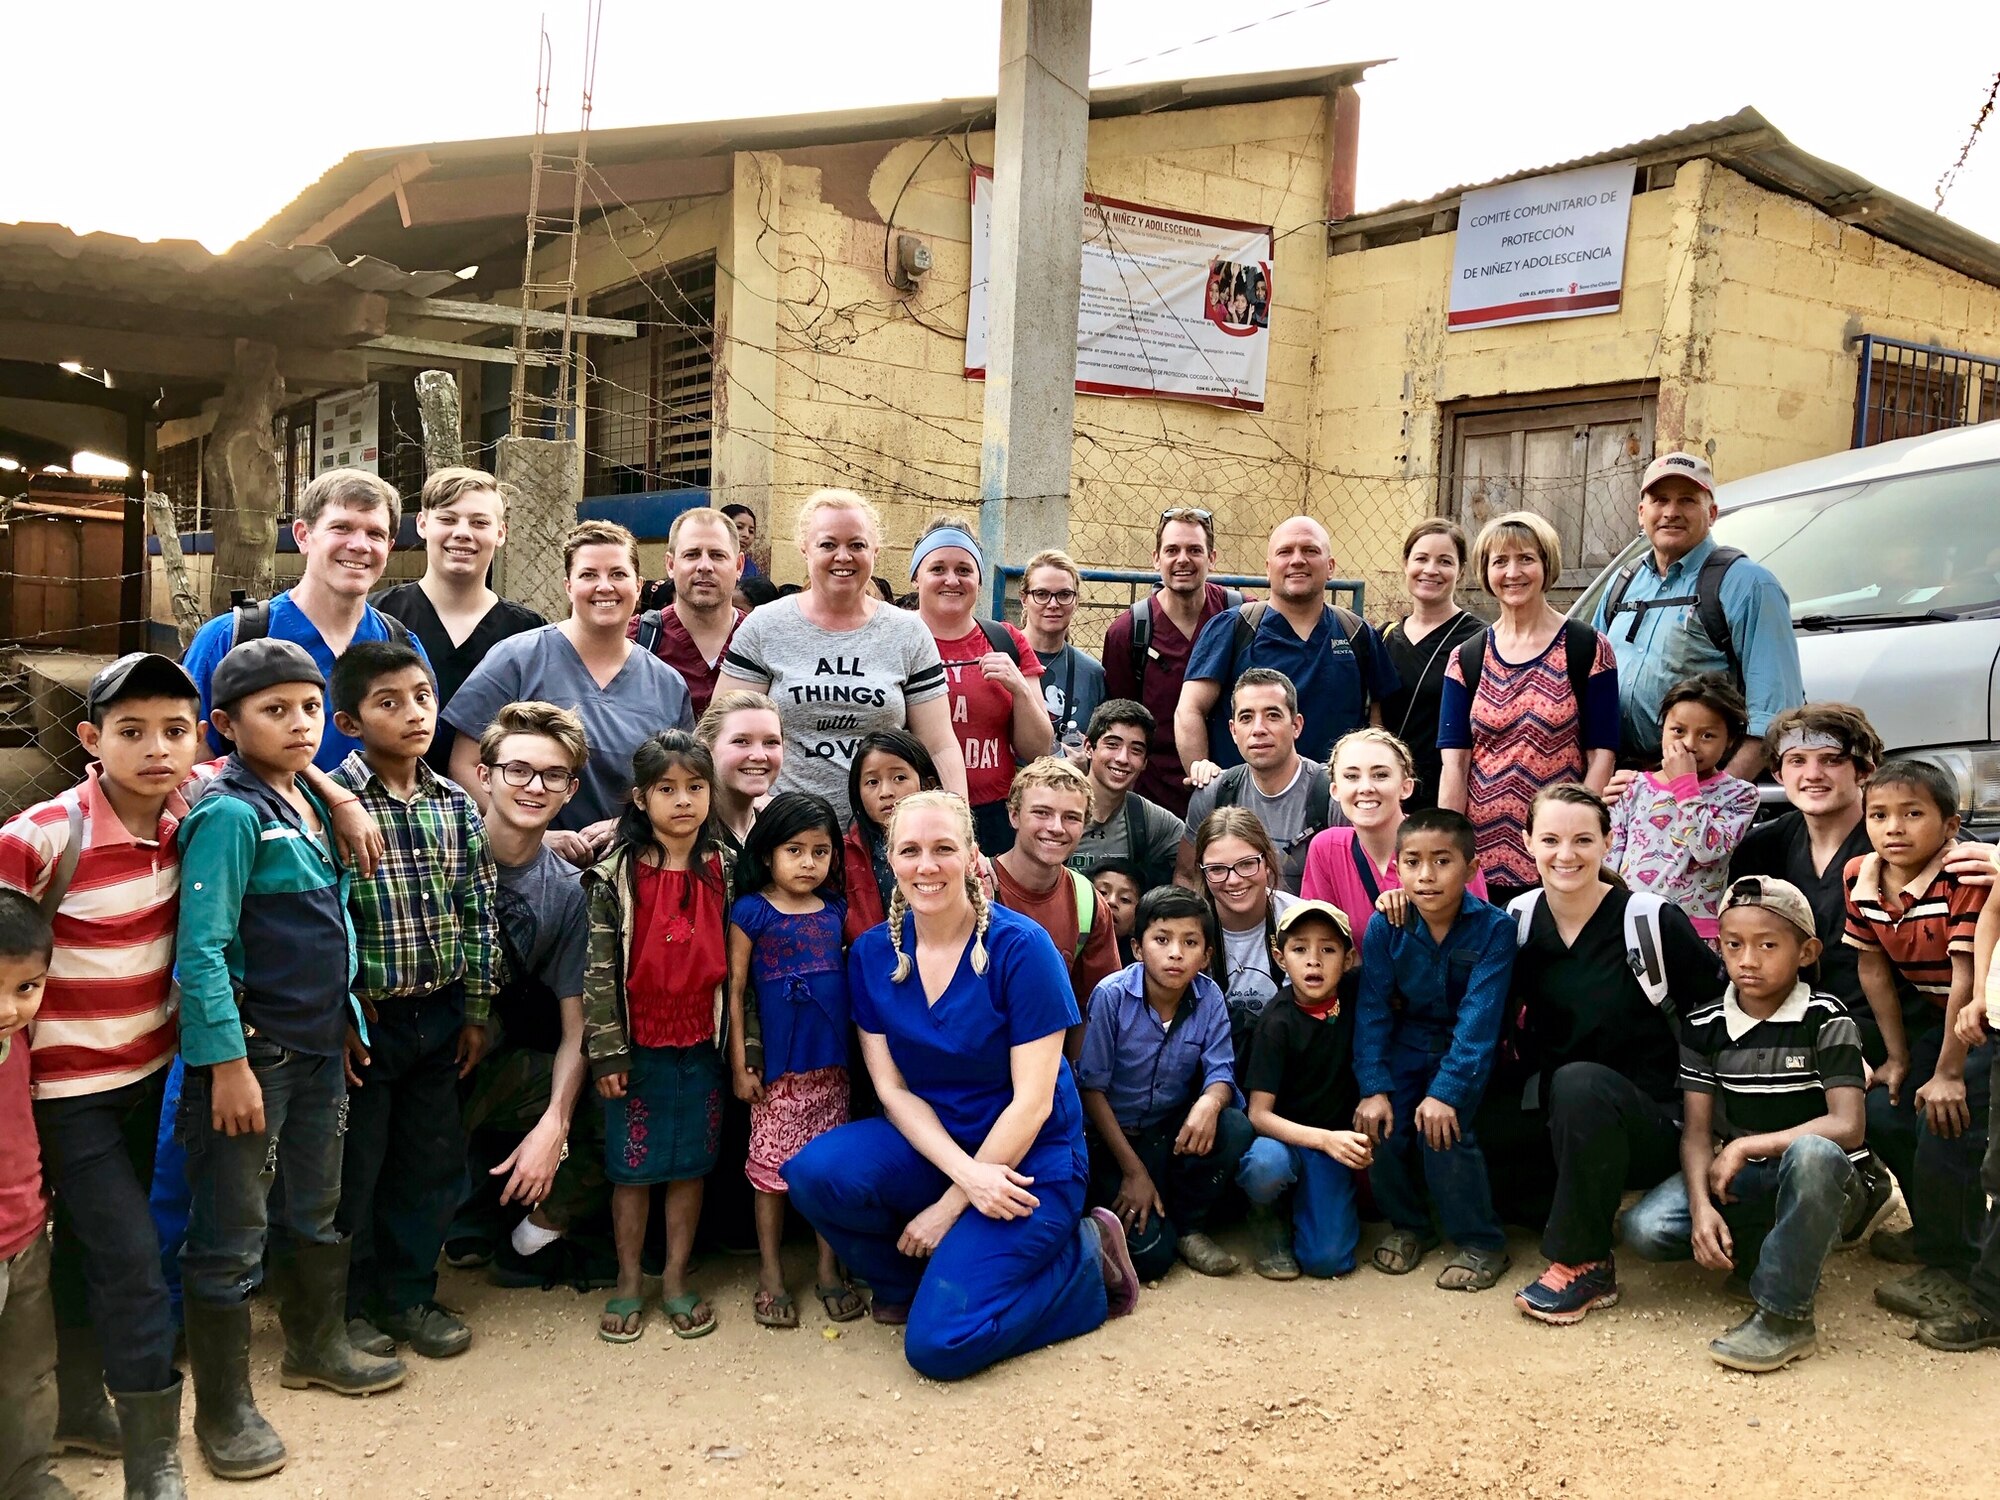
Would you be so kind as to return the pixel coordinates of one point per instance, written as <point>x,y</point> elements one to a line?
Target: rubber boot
<point>85,1422</point>
<point>150,1424</point>
<point>236,1442</point>
<point>1272,1237</point>
<point>312,1306</point>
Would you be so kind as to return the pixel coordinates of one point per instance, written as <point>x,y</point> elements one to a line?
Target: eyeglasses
<point>1246,868</point>
<point>520,774</point>
<point>1052,596</point>
<point>1187,513</point>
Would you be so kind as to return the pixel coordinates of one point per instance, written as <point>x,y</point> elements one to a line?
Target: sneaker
<point>1564,1294</point>
<point>1881,1194</point>
<point>1121,1282</point>
<point>1897,1246</point>
<point>468,1252</point>
<point>558,1263</point>
<point>1960,1333</point>
<point>434,1332</point>
<point>1764,1342</point>
<point>1926,1293</point>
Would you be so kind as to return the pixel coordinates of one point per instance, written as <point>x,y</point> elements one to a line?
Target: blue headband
<point>947,536</point>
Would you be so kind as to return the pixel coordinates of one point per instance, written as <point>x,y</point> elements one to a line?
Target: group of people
<point>1013,971</point>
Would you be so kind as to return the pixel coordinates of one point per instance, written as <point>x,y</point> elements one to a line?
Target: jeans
<point>1785,1221</point>
<point>1411,1180</point>
<point>1190,1186</point>
<point>1986,1271</point>
<point>97,1157</point>
<point>402,1169</point>
<point>1940,1178</point>
<point>1325,1225</point>
<point>28,1372</point>
<point>230,1205</point>
<point>167,1199</point>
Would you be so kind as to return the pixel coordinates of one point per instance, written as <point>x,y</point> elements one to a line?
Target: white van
<point>1891,558</point>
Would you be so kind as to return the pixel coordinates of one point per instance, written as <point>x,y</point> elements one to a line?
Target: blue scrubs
<point>993,1288</point>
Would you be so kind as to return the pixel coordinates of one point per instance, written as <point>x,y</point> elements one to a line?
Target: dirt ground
<point>1365,1386</point>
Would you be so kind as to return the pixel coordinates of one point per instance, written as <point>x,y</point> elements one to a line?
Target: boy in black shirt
<point>1302,1062</point>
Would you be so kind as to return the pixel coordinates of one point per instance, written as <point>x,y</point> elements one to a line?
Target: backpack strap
<point>1365,868</point>
<point>1242,631</point>
<point>1708,607</point>
<point>249,622</point>
<point>1471,657</point>
<point>1000,638</point>
<point>1229,786</point>
<point>1142,643</point>
<point>1356,630</point>
<point>1643,949</point>
<point>1232,598</point>
<point>58,887</point>
<point>1086,910</point>
<point>1319,796</point>
<point>1580,655</point>
<point>651,623</point>
<point>1615,600</point>
<point>1522,909</point>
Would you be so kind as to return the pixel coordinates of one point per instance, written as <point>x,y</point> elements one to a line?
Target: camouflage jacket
<point>606,1041</point>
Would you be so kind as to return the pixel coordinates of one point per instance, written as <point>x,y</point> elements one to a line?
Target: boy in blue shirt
<point>1427,1024</point>
<point>265,958</point>
<point>1158,1075</point>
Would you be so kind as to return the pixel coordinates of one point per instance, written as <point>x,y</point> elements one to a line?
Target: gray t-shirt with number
<point>834,686</point>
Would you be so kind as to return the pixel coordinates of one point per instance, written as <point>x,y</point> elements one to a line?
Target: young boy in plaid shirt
<point>424,931</point>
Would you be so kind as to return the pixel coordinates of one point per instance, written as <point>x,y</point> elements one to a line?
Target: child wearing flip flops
<point>1427,1027</point>
<point>655,1020</point>
<point>785,946</point>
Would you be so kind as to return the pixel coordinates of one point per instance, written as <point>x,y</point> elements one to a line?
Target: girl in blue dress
<point>962,1007</point>
<point>784,940</point>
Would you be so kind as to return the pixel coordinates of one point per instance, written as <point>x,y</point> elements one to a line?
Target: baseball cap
<point>140,674</point>
<point>256,665</point>
<point>1687,465</point>
<point>1292,915</point>
<point>1779,897</point>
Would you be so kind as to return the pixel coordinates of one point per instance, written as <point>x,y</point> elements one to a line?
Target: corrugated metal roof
<point>1752,146</point>
<point>360,169</point>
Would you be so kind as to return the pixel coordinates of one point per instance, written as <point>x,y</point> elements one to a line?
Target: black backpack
<point>1000,638</point>
<point>1706,599</point>
<point>1579,655</point>
<point>1142,637</point>
<point>252,622</point>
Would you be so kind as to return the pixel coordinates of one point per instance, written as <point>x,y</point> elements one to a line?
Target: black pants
<point>1986,1271</point>
<point>1940,1178</point>
<point>97,1154</point>
<point>1567,1166</point>
<point>1190,1186</point>
<point>403,1171</point>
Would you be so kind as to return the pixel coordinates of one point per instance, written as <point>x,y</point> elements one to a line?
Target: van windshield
<point>1923,545</point>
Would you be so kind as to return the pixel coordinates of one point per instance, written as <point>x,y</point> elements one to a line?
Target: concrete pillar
<point>547,479</point>
<point>1040,144</point>
<point>746,341</point>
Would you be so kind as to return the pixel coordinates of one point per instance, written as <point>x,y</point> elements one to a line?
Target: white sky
<point>200,122</point>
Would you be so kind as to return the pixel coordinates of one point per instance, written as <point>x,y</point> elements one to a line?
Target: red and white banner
<point>1173,304</point>
<point>1545,247</point>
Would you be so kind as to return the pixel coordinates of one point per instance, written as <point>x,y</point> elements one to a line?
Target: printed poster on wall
<point>1546,247</point>
<point>1173,304</point>
<point>344,430</point>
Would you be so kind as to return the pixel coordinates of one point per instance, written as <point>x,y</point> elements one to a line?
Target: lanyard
<point>1443,633</point>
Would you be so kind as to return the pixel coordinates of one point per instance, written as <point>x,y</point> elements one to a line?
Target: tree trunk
<point>438,405</point>
<point>245,478</point>
<point>188,614</point>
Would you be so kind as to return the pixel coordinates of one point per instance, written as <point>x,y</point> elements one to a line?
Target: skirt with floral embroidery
<point>797,1109</point>
<point>668,1127</point>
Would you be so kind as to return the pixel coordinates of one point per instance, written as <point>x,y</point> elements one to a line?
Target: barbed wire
<point>1949,177</point>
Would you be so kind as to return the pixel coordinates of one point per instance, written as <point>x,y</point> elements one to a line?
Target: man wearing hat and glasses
<point>1689,606</point>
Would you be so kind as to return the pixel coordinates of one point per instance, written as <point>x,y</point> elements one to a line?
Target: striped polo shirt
<point>1771,1074</point>
<point>1919,926</point>
<point>107,1017</point>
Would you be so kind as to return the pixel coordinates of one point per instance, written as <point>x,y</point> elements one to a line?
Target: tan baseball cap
<point>1687,465</point>
<point>1292,915</point>
<point>1779,897</point>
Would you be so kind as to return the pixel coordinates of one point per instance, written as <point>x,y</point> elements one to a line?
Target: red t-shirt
<point>677,649</point>
<point>678,958</point>
<point>1054,911</point>
<point>23,1210</point>
<point>982,712</point>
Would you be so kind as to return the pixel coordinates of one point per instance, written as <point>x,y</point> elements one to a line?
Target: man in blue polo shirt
<point>1331,656</point>
<point>346,525</point>
<point>1653,614</point>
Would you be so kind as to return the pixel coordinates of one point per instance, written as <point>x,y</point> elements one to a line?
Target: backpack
<point>1706,599</point>
<point>1142,636</point>
<point>1086,910</point>
<point>52,898</point>
<point>1643,950</point>
<point>1319,797</point>
<point>1000,638</point>
<point>651,623</point>
<point>251,621</point>
<point>1250,615</point>
<point>1579,655</point>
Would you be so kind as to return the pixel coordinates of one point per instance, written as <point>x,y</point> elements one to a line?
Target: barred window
<point>650,419</point>
<point>179,478</point>
<point>1906,389</point>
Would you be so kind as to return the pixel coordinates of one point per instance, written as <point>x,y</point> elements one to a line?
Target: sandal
<point>680,1310</point>
<point>1473,1270</point>
<point>623,1308</point>
<point>773,1310</point>
<point>1402,1252</point>
<point>843,1304</point>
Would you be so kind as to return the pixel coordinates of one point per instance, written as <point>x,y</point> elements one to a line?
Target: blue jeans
<point>1785,1221</point>
<point>1411,1180</point>
<point>992,1289</point>
<point>1939,1178</point>
<point>167,1200</point>
<point>1189,1185</point>
<point>1325,1225</point>
<point>229,1177</point>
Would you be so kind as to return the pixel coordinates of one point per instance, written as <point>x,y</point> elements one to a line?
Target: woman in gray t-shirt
<point>839,662</point>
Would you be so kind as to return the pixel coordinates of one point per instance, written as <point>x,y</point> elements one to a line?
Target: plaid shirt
<point>426,919</point>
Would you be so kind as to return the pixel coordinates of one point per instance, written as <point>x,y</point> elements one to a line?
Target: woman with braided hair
<point>961,1007</point>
